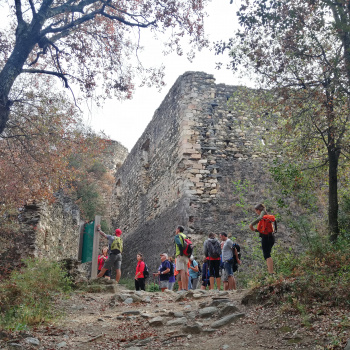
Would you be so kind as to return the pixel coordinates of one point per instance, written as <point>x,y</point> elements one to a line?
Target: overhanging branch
<point>42,71</point>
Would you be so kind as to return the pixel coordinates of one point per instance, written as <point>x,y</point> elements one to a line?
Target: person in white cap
<point>163,272</point>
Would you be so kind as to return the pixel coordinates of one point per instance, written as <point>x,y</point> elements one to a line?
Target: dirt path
<point>141,320</point>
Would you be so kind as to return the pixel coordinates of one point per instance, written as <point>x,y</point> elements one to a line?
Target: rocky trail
<point>115,318</point>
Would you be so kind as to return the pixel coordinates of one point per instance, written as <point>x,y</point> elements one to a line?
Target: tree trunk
<point>333,157</point>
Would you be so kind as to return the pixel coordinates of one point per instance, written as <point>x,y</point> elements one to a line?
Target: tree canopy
<point>300,51</point>
<point>90,42</point>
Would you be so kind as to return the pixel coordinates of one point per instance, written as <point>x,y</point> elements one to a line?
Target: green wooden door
<point>88,242</point>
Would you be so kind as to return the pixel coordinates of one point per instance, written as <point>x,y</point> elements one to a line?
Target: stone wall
<point>52,231</point>
<point>194,165</point>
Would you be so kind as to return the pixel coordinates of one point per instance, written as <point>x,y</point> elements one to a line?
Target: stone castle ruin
<point>191,166</point>
<point>197,164</point>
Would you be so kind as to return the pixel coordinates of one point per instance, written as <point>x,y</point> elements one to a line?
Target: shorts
<point>114,260</point>
<point>214,268</point>
<point>106,274</point>
<point>267,242</point>
<point>181,262</point>
<point>228,268</point>
<point>164,284</point>
<point>224,276</point>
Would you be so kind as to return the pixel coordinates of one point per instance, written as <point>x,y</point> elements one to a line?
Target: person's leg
<point>211,274</point>
<point>269,264</point>
<point>266,243</point>
<point>217,274</point>
<point>142,283</point>
<point>118,274</point>
<point>234,287</point>
<point>230,282</point>
<point>101,274</point>
<point>194,283</point>
<point>118,265</point>
<point>184,279</point>
<point>137,285</point>
<point>189,283</point>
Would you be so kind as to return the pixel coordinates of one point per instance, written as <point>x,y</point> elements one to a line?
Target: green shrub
<point>27,297</point>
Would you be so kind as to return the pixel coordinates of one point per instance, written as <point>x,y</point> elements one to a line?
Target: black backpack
<point>145,271</point>
<point>171,272</point>
<point>214,248</point>
<point>234,262</point>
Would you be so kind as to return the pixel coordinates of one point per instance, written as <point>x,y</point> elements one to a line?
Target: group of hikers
<point>220,261</point>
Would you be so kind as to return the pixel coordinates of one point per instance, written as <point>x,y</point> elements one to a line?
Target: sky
<point>125,121</point>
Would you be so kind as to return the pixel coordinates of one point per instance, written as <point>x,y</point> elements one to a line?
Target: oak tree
<point>90,42</point>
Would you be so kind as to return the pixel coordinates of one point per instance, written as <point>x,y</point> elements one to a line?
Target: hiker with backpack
<point>194,272</point>
<point>181,256</point>
<point>212,250</point>
<point>115,249</point>
<point>140,277</point>
<point>228,253</point>
<point>163,272</point>
<point>266,233</point>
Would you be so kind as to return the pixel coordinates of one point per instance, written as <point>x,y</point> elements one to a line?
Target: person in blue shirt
<point>163,272</point>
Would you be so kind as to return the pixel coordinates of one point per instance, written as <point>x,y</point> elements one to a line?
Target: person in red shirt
<point>139,276</point>
<point>101,260</point>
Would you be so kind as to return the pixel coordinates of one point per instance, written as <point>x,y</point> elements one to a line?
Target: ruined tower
<point>190,167</point>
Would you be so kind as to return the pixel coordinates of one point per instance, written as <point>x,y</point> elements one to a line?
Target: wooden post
<point>95,247</point>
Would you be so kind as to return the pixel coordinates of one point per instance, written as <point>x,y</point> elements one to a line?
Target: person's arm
<point>251,226</point>
<point>237,258</point>
<point>100,232</point>
<point>194,268</point>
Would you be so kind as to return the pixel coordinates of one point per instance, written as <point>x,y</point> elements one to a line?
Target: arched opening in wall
<point>145,152</point>
<point>118,189</point>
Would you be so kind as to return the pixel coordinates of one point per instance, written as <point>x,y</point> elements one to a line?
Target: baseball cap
<point>164,254</point>
<point>118,232</point>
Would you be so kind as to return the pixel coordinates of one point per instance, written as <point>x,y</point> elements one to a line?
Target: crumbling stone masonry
<point>188,168</point>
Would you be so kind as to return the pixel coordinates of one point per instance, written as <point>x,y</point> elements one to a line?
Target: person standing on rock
<point>163,272</point>
<point>139,276</point>
<point>115,249</point>
<point>267,240</point>
<point>181,259</point>
<point>227,258</point>
<point>212,250</point>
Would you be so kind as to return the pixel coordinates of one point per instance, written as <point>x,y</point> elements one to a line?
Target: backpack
<point>214,249</point>
<point>187,247</point>
<point>265,225</point>
<point>117,246</point>
<point>171,272</point>
<point>234,261</point>
<point>146,271</point>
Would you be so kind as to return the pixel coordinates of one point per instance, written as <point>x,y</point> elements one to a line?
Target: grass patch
<point>27,297</point>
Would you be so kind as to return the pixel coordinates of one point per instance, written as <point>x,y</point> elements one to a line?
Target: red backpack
<point>265,225</point>
<point>187,247</point>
